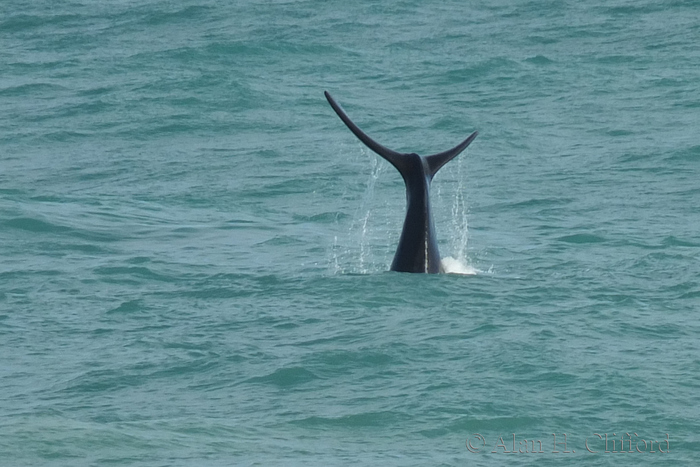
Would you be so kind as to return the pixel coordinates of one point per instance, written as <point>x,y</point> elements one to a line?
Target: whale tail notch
<point>397,159</point>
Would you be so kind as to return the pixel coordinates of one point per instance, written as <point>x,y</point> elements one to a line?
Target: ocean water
<point>194,250</point>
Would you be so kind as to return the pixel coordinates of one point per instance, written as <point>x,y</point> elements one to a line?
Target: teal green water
<point>195,250</point>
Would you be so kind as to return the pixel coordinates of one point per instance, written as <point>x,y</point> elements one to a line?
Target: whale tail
<point>418,249</point>
<point>397,159</point>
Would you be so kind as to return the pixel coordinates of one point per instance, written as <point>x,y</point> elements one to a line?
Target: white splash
<point>460,225</point>
<point>354,251</point>
<point>366,256</point>
<point>452,265</point>
<point>458,229</point>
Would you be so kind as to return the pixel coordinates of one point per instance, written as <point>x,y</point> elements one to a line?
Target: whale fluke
<point>388,154</point>
<point>436,161</point>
